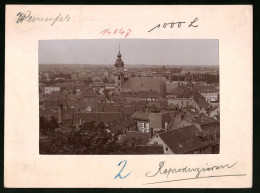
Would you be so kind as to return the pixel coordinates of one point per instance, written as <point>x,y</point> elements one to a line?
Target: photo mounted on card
<point>110,101</point>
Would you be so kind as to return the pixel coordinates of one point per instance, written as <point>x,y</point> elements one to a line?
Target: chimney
<point>60,115</point>
<point>151,132</point>
<point>72,120</point>
<point>181,123</point>
<point>182,116</point>
<point>166,126</point>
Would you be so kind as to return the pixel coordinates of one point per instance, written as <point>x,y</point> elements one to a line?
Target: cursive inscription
<point>28,17</point>
<point>178,24</point>
<point>197,170</point>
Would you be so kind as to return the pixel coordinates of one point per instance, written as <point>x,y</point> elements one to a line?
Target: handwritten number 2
<point>119,174</point>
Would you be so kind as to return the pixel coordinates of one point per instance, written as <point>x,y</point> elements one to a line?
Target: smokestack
<point>60,116</point>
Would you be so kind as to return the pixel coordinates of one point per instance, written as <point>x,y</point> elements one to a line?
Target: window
<point>155,143</point>
<point>166,148</point>
<point>119,78</point>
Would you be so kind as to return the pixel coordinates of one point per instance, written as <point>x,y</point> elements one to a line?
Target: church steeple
<point>119,62</point>
<point>119,54</point>
<point>119,72</point>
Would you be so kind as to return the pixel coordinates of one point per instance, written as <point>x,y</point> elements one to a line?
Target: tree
<point>48,126</point>
<point>89,139</point>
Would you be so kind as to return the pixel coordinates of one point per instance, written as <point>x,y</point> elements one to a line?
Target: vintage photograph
<point>134,96</point>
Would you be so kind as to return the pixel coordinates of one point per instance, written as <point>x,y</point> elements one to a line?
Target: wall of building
<point>157,140</point>
<point>49,90</point>
<point>178,101</point>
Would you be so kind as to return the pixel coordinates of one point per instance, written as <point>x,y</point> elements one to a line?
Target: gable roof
<point>119,124</point>
<point>67,113</point>
<point>98,117</point>
<point>183,140</point>
<point>141,115</point>
<point>144,84</point>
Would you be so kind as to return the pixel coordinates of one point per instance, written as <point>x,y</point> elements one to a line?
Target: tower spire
<point>119,47</point>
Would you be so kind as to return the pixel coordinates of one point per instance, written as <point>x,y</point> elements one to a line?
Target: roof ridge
<point>179,128</point>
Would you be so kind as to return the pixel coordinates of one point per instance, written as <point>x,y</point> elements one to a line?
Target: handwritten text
<point>120,32</point>
<point>28,17</point>
<point>178,24</point>
<point>119,173</point>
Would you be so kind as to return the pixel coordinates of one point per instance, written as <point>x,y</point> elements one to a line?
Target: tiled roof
<point>88,94</point>
<point>141,94</point>
<point>80,104</point>
<point>139,115</point>
<point>144,84</point>
<point>183,140</point>
<point>182,92</point>
<point>202,102</point>
<point>128,110</point>
<point>111,108</point>
<point>120,124</point>
<point>98,117</point>
<point>51,104</point>
<point>67,113</point>
<point>157,104</point>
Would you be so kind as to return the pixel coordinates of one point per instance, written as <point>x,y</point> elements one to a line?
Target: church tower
<point>119,72</point>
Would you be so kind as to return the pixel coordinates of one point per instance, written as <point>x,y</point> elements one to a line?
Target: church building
<point>136,84</point>
<point>119,73</point>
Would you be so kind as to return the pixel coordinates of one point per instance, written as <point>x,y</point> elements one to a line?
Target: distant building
<point>49,90</point>
<point>172,85</point>
<point>209,92</point>
<point>151,120</point>
<point>74,76</point>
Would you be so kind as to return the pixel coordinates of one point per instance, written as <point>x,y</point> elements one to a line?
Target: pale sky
<point>134,51</point>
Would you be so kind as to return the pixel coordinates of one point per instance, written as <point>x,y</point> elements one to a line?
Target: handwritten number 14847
<point>121,32</point>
